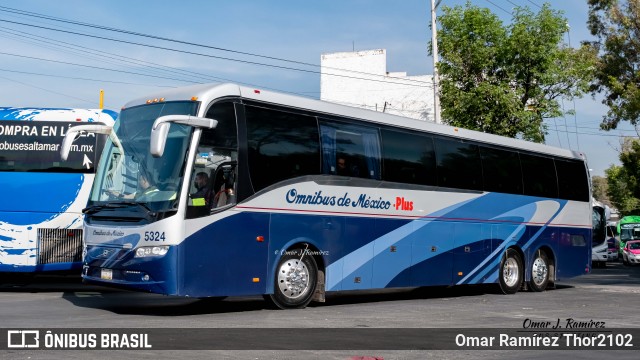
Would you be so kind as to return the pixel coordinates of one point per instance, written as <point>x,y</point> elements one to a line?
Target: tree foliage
<point>599,189</point>
<point>505,79</point>
<point>620,195</point>
<point>623,182</point>
<point>616,24</point>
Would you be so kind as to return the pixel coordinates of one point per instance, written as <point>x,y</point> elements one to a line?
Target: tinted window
<point>598,221</point>
<point>458,164</point>
<point>408,158</point>
<point>501,170</point>
<point>573,183</point>
<point>281,146</point>
<point>350,150</point>
<point>225,133</point>
<point>539,176</point>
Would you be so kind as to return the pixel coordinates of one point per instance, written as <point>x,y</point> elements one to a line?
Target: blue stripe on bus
<point>28,199</point>
<point>357,251</point>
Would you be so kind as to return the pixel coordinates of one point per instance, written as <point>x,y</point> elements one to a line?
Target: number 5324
<point>154,236</point>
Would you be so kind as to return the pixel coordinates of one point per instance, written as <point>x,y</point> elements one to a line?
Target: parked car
<point>631,252</point>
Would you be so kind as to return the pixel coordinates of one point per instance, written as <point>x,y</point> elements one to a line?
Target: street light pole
<point>436,77</point>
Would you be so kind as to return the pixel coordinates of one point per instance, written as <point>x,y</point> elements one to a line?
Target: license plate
<point>106,274</point>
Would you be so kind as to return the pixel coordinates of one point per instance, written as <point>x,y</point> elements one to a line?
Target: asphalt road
<point>608,296</point>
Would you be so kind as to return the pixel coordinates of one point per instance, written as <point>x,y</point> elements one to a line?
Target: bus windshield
<point>630,232</point>
<point>127,173</point>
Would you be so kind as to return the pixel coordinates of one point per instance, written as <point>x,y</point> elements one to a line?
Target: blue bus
<point>305,197</point>
<point>42,196</point>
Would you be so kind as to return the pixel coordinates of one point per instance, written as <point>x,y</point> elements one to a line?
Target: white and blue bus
<point>307,197</point>
<point>43,197</point>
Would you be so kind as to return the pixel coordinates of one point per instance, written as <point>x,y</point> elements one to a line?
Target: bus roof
<point>208,92</point>
<point>58,114</point>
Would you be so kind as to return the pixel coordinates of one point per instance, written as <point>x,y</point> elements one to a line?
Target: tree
<point>616,24</point>
<point>599,189</point>
<point>506,80</point>
<point>618,191</point>
<point>630,159</point>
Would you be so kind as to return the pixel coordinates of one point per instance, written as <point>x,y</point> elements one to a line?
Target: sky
<point>272,45</point>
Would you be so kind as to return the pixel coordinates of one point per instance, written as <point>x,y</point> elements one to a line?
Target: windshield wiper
<point>95,208</point>
<point>118,204</point>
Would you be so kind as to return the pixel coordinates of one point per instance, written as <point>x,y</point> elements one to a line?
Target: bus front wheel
<point>539,272</point>
<point>295,280</point>
<point>511,276</point>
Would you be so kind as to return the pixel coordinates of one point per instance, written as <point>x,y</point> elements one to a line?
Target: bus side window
<point>501,170</point>
<point>408,158</point>
<point>539,176</point>
<point>459,164</point>
<point>282,145</point>
<point>359,146</point>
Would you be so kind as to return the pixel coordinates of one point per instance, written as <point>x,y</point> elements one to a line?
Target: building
<point>361,79</point>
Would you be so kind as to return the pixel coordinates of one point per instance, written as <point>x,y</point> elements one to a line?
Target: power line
<point>407,81</point>
<point>128,32</point>
<point>512,3</point>
<point>499,7</point>
<point>79,78</point>
<point>539,7</point>
<point>47,90</point>
<point>83,50</point>
<point>93,67</point>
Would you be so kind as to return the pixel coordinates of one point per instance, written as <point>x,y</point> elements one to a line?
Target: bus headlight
<point>148,251</point>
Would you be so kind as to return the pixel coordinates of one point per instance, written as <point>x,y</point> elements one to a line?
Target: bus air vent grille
<point>59,246</point>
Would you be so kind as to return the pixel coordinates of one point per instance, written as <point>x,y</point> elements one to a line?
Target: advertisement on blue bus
<point>43,196</point>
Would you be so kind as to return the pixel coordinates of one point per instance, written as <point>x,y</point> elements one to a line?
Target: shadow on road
<point>135,303</point>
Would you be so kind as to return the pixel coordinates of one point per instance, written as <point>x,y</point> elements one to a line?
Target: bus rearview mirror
<point>160,129</point>
<point>74,132</point>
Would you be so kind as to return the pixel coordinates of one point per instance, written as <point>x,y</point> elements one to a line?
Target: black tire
<point>510,273</point>
<point>295,281</point>
<point>539,272</point>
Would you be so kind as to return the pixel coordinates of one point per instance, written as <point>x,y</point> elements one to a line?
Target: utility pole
<point>436,77</point>
<point>101,102</point>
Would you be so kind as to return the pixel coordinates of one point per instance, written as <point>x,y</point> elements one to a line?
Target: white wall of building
<point>361,79</point>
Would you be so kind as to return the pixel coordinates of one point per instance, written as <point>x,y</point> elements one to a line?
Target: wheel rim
<point>510,272</point>
<point>539,271</point>
<point>293,278</point>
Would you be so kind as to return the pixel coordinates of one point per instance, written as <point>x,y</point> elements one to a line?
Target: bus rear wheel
<point>511,276</point>
<point>539,272</point>
<point>295,280</point>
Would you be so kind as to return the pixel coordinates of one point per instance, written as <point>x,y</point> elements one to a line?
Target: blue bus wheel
<point>539,272</point>
<point>295,281</point>
<point>511,276</point>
